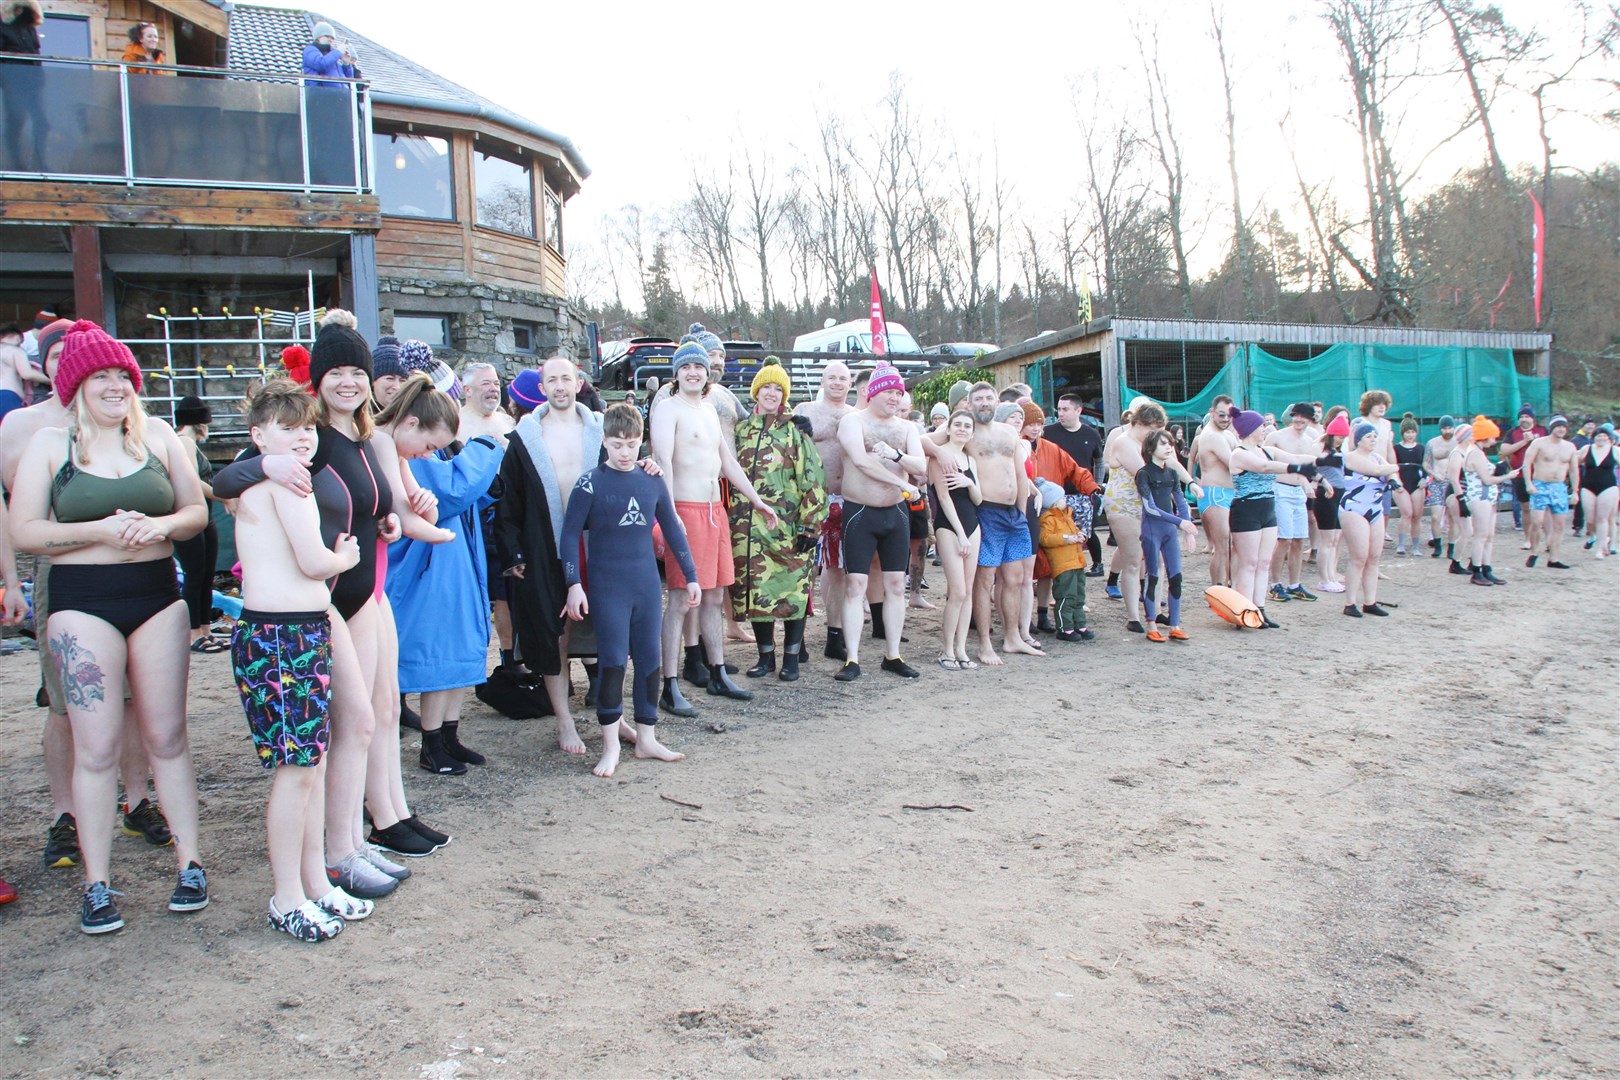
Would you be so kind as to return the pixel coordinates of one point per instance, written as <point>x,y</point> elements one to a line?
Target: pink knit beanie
<point>87,349</point>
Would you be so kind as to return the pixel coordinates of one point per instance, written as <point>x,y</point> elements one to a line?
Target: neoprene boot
<point>765,638</point>
<point>1043,623</point>
<point>836,649</point>
<point>434,757</point>
<point>792,650</point>
<point>407,716</point>
<point>877,621</point>
<point>452,744</point>
<point>673,702</point>
<point>720,685</point>
<point>696,671</point>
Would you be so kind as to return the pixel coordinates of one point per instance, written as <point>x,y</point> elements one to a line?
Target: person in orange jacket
<point>1064,546</point>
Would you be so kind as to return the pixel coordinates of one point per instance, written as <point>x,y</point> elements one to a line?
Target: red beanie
<point>87,349</point>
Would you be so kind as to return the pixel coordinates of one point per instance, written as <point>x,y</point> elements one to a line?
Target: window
<point>554,232</point>
<point>414,177</point>
<point>65,35</point>
<point>505,194</point>
<point>432,329</point>
<point>523,337</point>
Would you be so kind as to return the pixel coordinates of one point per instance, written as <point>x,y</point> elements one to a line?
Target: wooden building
<point>1174,360</point>
<point>430,211</point>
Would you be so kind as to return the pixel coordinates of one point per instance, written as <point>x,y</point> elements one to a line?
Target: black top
<point>1084,444</point>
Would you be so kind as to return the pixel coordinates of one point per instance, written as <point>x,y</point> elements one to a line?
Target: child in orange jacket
<point>1064,546</point>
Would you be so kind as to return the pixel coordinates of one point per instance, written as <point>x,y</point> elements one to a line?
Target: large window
<point>505,194</point>
<point>554,232</point>
<point>65,35</point>
<point>414,178</point>
<point>432,329</point>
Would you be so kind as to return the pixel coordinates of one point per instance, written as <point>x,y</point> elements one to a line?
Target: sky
<point>651,92</point>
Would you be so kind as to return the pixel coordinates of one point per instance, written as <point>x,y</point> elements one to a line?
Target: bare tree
<point>763,213</point>
<point>1167,152</point>
<point>1240,228</point>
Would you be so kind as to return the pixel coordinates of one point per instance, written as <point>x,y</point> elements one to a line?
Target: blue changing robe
<point>439,591</point>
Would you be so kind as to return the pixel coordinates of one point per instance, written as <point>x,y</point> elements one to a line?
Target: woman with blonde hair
<point>106,498</point>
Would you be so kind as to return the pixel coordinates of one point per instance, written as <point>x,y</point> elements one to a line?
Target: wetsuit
<point>1410,459</point>
<point>123,595</point>
<point>616,511</point>
<point>1164,508</point>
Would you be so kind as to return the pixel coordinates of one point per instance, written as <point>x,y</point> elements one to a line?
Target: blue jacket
<point>439,592</point>
<point>329,64</point>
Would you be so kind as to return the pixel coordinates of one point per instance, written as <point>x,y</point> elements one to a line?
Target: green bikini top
<point>77,495</point>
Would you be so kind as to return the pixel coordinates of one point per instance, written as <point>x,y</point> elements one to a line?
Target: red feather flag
<point>880,326</point>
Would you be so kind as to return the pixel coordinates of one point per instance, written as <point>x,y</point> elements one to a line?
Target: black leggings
<point>124,595</point>
<point>197,558</point>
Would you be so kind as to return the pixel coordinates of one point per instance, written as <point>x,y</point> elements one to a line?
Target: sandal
<point>950,663</point>
<point>209,645</point>
<point>967,665</point>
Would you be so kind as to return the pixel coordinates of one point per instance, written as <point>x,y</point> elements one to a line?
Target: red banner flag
<point>880,327</point>
<point>1538,258</point>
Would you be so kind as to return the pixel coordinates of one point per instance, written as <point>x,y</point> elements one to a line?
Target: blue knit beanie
<point>703,337</point>
<point>525,389</point>
<point>385,358</point>
<point>690,352</point>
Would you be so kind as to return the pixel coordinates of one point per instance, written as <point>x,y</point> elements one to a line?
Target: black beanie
<point>335,347</point>
<point>192,411</point>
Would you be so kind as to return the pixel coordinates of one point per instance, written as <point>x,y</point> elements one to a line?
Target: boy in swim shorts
<point>281,655</point>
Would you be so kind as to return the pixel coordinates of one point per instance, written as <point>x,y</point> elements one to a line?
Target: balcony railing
<point>97,121</point>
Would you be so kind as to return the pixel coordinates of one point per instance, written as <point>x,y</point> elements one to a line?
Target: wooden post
<point>88,299</point>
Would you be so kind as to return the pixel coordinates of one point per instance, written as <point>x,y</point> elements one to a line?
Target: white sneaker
<point>1330,586</point>
<point>341,905</point>
<point>374,855</point>
<point>357,877</point>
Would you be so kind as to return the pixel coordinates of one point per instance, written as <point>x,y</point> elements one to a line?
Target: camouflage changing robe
<point>773,573</point>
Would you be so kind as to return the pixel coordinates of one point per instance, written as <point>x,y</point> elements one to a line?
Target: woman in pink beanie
<point>106,497</point>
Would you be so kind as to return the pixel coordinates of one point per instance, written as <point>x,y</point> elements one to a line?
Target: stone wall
<point>481,318</point>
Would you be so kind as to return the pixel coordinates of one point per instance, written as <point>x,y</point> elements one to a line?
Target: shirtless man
<point>481,405</point>
<point>16,373</point>
<point>1301,439</point>
<point>62,844</point>
<point>1435,453</point>
<point>690,445</point>
<point>882,454</point>
<point>829,408</point>
<point>1551,472</point>
<point>1005,542</point>
<point>1212,452</point>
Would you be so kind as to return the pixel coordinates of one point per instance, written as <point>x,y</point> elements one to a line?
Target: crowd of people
<point>391,515</point>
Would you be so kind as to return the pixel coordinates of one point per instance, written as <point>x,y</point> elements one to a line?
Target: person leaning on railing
<point>144,48</point>
<point>21,103</point>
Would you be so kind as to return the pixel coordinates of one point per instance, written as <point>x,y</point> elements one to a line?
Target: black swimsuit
<point>1594,477</point>
<point>967,511</point>
<point>1410,459</point>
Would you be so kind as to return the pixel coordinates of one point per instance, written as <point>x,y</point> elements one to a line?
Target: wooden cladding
<point>107,204</point>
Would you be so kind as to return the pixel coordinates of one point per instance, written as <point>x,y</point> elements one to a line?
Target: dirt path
<point>1346,848</point>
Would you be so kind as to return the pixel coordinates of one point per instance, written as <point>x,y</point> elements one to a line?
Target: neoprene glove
<point>1308,471</point>
<point>804,543</point>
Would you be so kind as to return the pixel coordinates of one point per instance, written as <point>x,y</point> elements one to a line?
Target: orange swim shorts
<point>708,534</point>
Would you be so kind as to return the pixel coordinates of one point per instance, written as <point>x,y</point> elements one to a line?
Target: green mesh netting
<point>1428,381</point>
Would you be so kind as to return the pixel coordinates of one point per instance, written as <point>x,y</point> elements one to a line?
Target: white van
<point>854,337</point>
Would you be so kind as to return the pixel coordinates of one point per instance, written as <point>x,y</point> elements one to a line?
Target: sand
<point>1345,848</point>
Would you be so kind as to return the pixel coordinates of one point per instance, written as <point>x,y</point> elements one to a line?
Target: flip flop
<point>967,665</point>
<point>209,645</point>
<point>950,663</point>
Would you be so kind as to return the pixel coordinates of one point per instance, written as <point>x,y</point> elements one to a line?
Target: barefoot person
<point>1368,478</point>
<point>552,446</point>
<point>1212,453</point>
<point>691,447</point>
<point>882,453</point>
<point>106,495</point>
<point>1551,472</point>
<point>956,536</point>
<point>614,507</point>
<point>825,412</point>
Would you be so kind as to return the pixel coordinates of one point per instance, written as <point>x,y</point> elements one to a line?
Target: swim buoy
<point>1232,606</point>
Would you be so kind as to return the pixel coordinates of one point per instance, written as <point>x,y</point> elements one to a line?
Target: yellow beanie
<point>771,373</point>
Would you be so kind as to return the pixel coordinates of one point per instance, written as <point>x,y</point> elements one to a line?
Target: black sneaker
<point>1267,622</point>
<point>1352,611</point>
<point>1531,561</point>
<point>1374,609</point>
<point>431,835</point>
<point>401,839</point>
<point>148,821</point>
<point>849,672</point>
<point>191,893</point>
<point>99,915</point>
<point>62,844</point>
<point>894,665</point>
<point>1135,627</point>
<point>1554,564</point>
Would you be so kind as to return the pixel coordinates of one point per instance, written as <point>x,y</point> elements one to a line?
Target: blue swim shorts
<point>1004,535</point>
<point>1550,495</point>
<point>1218,497</point>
